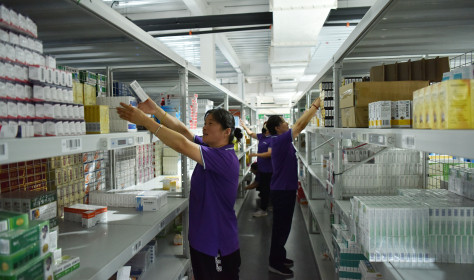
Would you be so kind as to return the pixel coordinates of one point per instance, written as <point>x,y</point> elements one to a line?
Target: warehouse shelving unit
<point>391,31</point>
<point>92,36</point>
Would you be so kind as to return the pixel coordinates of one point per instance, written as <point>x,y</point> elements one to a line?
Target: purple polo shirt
<point>212,220</point>
<point>264,164</point>
<point>285,165</point>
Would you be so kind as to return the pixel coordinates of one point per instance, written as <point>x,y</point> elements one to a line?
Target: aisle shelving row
<point>15,150</point>
<point>325,266</point>
<point>107,247</point>
<point>432,141</point>
<point>321,213</point>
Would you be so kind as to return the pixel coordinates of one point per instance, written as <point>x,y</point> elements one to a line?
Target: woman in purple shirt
<point>264,167</point>
<point>213,235</point>
<point>284,184</point>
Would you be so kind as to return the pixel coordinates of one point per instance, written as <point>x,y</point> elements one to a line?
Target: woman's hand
<point>242,123</point>
<point>252,155</point>
<point>149,107</point>
<point>132,114</point>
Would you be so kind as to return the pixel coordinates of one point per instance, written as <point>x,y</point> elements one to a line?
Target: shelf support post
<point>226,102</point>
<point>337,78</point>
<point>183,91</point>
<point>110,81</point>
<point>425,165</point>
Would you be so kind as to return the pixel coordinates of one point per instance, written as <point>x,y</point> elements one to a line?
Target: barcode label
<point>408,141</point>
<point>3,151</point>
<point>385,122</point>
<point>140,139</point>
<point>71,145</point>
<point>136,247</point>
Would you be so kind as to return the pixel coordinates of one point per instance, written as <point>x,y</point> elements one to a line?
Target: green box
<point>350,275</point>
<point>10,263</point>
<point>68,264</point>
<point>15,240</point>
<point>40,268</point>
<point>88,77</point>
<point>12,220</point>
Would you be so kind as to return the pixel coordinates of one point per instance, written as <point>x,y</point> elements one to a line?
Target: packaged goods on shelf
<point>95,166</point>
<point>89,94</point>
<point>15,240</point>
<point>127,198</point>
<point>97,119</point>
<point>67,265</point>
<point>380,114</point>
<point>88,215</point>
<point>19,259</point>
<point>29,175</point>
<point>116,123</point>
<point>460,73</point>
<point>347,258</point>
<point>36,268</point>
<point>368,272</point>
<point>461,181</point>
<point>356,97</point>
<point>151,201</point>
<point>13,220</point>
<point>424,69</point>
<point>121,89</point>
<point>144,163</point>
<point>170,164</point>
<point>158,157</point>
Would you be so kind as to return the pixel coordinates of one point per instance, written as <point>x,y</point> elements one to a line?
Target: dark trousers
<point>207,267</point>
<point>264,189</point>
<point>283,208</point>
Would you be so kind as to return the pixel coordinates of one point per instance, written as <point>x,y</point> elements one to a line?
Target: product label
<point>71,145</point>
<point>3,156</point>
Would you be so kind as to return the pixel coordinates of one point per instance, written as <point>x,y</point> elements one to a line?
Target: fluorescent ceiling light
<point>128,3</point>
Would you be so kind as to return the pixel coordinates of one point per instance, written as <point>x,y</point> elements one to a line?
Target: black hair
<point>254,166</point>
<point>264,130</point>
<point>226,120</point>
<point>273,122</point>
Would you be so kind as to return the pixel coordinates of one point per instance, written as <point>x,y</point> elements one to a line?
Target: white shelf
<point>432,271</point>
<point>45,147</point>
<point>239,202</point>
<point>105,248</point>
<point>316,170</point>
<point>250,148</point>
<point>447,142</point>
<point>321,214</point>
<point>345,209</point>
<point>170,264</point>
<point>325,267</point>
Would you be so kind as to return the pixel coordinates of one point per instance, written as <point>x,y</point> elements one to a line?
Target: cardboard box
<point>9,263</point>
<point>89,95</point>
<point>420,70</point>
<point>355,117</point>
<point>68,264</point>
<point>36,269</point>
<point>361,94</point>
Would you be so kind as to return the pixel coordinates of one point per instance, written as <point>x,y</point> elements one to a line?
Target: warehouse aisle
<point>255,236</point>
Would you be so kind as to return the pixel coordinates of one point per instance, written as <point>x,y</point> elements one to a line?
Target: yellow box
<point>78,92</point>
<point>89,95</point>
<point>455,104</point>
<point>427,108</point>
<point>472,103</point>
<point>416,109</point>
<point>97,119</point>
<point>435,106</point>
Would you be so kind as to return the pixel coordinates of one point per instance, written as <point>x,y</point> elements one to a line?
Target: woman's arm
<point>267,154</point>
<point>249,132</point>
<point>171,138</point>
<point>150,107</point>
<point>303,121</point>
<point>252,186</point>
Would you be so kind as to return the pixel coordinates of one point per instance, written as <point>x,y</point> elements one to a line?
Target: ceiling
<point>273,69</point>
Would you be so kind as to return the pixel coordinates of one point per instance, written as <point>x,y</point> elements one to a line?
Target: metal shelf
<point>316,170</point>
<point>170,264</point>
<point>325,267</point>
<point>251,147</point>
<point>321,214</point>
<point>345,208</point>
<point>434,141</point>
<point>415,271</point>
<point>239,202</point>
<point>105,248</point>
<point>45,147</point>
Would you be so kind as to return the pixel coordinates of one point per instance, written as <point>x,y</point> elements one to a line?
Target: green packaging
<point>88,77</point>
<point>68,264</point>
<point>15,240</point>
<point>10,263</point>
<point>40,268</point>
<point>12,220</point>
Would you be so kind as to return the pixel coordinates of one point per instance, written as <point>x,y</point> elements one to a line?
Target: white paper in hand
<point>140,94</point>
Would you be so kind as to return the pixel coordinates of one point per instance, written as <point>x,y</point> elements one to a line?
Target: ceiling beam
<point>205,21</point>
<point>199,8</point>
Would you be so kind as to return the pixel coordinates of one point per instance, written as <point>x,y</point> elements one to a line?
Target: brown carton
<point>362,93</point>
<point>355,117</point>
